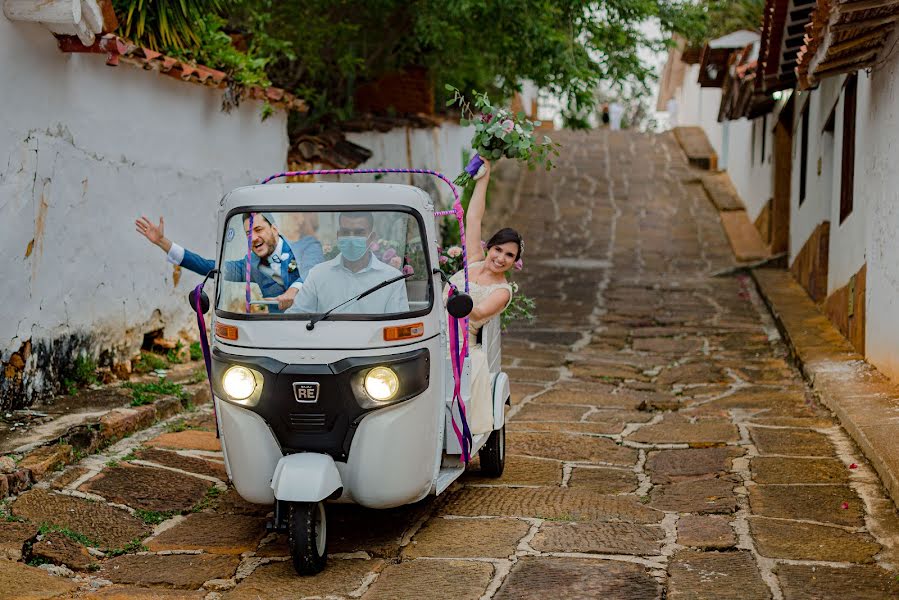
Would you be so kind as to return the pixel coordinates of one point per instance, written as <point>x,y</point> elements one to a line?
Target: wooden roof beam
<point>851,7</point>
<point>865,23</point>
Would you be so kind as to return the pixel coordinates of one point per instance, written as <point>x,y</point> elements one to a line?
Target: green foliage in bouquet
<point>499,133</point>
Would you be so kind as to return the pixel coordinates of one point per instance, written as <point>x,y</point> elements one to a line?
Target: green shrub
<point>144,393</point>
<point>84,371</point>
<point>148,362</point>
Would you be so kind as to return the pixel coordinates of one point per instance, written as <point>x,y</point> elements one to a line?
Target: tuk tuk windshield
<point>306,263</point>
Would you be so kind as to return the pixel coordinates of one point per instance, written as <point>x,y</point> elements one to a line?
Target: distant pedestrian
<point>671,107</point>
<point>605,115</point>
<point>616,112</point>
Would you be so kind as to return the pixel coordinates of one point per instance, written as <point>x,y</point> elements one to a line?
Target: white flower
<point>514,287</point>
<point>454,251</point>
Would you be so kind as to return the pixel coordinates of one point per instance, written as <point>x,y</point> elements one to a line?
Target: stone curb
<point>88,438</point>
<point>865,401</point>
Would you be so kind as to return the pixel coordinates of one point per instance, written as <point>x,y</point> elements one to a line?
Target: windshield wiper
<point>311,324</point>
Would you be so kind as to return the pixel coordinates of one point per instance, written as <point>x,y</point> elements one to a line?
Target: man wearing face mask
<point>352,272</point>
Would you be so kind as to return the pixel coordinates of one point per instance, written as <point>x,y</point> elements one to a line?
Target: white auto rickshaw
<point>361,397</point>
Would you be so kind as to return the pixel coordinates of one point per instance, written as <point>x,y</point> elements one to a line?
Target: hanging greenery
<point>165,24</point>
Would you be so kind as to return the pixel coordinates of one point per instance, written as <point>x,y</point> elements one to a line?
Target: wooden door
<point>783,169</point>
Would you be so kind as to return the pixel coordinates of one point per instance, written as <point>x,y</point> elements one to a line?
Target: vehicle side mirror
<point>459,305</point>
<point>204,301</point>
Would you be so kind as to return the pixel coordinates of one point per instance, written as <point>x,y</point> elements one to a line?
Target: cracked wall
<point>84,150</point>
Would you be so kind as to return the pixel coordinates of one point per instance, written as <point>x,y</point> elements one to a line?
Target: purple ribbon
<point>204,344</point>
<point>474,164</point>
<point>249,250</point>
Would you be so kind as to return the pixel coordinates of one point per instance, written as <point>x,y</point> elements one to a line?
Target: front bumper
<point>328,424</point>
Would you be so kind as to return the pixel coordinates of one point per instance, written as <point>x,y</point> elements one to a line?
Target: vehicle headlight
<point>381,383</point>
<point>239,382</point>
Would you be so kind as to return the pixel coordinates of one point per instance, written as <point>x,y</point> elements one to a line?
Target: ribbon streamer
<point>204,344</point>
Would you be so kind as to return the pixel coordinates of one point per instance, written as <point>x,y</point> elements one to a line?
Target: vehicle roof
<point>322,195</point>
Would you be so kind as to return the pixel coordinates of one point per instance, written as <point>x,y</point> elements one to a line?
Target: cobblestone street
<point>659,444</point>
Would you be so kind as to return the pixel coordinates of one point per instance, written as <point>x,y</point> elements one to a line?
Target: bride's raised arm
<point>474,217</point>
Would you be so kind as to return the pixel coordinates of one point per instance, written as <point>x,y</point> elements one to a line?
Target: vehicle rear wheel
<point>307,537</point>
<point>493,453</point>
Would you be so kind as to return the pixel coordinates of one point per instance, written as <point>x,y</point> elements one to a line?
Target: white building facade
<point>86,149</point>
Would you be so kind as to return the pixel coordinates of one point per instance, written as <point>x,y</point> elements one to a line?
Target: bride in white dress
<point>490,292</point>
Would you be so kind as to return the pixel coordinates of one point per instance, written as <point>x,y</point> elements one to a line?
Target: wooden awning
<point>783,34</point>
<point>716,56</point>
<point>844,36</point>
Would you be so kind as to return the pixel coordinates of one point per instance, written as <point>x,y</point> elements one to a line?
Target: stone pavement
<point>659,445</point>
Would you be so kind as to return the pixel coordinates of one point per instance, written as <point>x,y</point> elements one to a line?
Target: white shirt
<point>176,255</point>
<point>331,283</point>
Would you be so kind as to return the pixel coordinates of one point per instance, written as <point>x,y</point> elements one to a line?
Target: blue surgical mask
<point>352,247</point>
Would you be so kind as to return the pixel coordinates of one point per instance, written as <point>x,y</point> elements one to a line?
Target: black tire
<point>307,537</point>
<point>493,453</point>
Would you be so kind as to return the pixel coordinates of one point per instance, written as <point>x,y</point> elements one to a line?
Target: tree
<point>721,17</point>
<point>564,46</point>
<point>324,49</point>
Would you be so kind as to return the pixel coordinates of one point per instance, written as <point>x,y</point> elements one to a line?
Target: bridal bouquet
<point>500,133</point>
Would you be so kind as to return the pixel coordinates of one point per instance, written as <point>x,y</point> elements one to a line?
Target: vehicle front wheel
<point>307,537</point>
<point>493,453</point>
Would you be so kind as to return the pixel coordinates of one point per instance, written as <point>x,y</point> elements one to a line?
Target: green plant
<point>174,355</point>
<point>148,362</point>
<point>198,375</point>
<point>130,456</point>
<point>82,539</point>
<point>6,513</point>
<point>196,351</point>
<point>69,386</point>
<point>131,547</point>
<point>152,517</point>
<point>521,308</point>
<point>112,463</point>
<point>85,370</point>
<point>209,499</point>
<point>144,393</point>
<point>176,426</point>
<point>267,111</point>
<point>160,24</point>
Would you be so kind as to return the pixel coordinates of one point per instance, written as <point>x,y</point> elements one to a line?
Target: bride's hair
<point>507,234</point>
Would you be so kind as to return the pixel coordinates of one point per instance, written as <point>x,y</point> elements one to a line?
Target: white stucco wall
<point>699,106</point>
<point>877,186</point>
<point>847,239</point>
<point>750,172</point>
<point>437,148</point>
<point>817,206</point>
<point>87,148</point>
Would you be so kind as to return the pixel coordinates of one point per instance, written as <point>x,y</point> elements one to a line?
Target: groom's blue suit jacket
<point>304,253</point>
